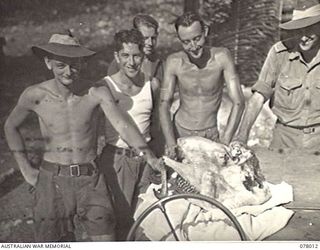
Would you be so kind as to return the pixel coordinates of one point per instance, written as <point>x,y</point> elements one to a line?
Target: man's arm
<point>14,138</point>
<point>263,90</point>
<point>155,87</point>
<point>124,126</point>
<point>235,94</point>
<point>166,96</point>
<point>251,113</point>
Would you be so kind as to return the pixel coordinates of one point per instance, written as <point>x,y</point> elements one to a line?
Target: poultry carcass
<point>230,175</point>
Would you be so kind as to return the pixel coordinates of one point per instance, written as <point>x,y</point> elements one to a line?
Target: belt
<point>129,152</point>
<point>306,130</point>
<point>87,169</point>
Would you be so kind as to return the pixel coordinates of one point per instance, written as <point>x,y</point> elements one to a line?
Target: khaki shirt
<point>291,84</point>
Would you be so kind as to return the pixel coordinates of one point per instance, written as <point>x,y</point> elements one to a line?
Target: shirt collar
<point>295,55</point>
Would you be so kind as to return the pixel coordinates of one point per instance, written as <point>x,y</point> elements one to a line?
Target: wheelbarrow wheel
<point>160,204</point>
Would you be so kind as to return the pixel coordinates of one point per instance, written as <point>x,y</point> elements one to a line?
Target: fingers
<point>158,165</point>
<point>171,152</point>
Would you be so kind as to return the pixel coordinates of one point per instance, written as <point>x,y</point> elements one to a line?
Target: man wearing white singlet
<point>125,170</point>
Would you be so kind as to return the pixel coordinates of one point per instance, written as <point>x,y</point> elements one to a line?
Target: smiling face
<point>309,38</point>
<point>150,38</point>
<point>65,70</point>
<point>129,59</point>
<point>193,38</point>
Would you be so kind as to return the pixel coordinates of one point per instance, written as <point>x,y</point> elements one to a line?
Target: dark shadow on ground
<point>11,183</point>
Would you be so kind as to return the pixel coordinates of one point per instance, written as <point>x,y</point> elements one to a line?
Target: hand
<point>237,144</point>
<point>237,150</point>
<point>223,139</point>
<point>171,152</point>
<point>31,176</point>
<point>157,164</point>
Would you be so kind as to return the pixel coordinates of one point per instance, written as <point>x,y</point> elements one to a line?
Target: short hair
<point>145,20</point>
<point>187,19</point>
<point>128,36</point>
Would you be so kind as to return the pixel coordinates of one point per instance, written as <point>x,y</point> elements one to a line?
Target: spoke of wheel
<point>163,210</point>
<point>160,205</point>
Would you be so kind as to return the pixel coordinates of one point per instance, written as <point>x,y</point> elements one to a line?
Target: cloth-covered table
<point>194,222</point>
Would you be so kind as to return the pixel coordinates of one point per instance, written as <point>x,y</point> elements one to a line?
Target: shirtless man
<point>200,73</point>
<point>127,172</point>
<point>68,182</point>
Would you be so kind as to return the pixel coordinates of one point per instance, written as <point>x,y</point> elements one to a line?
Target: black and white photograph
<point>159,120</point>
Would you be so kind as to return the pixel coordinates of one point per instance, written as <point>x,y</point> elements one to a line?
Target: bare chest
<point>206,81</point>
<point>62,116</point>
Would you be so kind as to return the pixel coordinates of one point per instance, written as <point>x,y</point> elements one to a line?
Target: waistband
<point>195,130</point>
<point>129,152</point>
<point>304,129</point>
<point>85,169</point>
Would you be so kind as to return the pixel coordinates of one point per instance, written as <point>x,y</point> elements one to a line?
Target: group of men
<point>135,98</point>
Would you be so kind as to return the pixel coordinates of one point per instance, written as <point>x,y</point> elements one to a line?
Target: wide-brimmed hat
<point>302,18</point>
<point>62,45</point>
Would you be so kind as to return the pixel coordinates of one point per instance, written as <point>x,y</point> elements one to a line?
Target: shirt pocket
<point>288,93</point>
<point>315,95</point>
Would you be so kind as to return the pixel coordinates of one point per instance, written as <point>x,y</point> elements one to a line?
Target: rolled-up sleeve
<point>268,75</point>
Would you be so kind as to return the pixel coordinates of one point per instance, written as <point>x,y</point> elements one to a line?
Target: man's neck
<point>151,57</point>
<point>309,55</point>
<point>62,90</point>
<point>128,82</point>
<point>202,61</point>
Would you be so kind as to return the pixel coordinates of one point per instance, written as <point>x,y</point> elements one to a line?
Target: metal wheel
<point>160,204</point>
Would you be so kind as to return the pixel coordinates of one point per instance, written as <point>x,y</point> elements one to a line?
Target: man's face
<point>65,70</point>
<point>193,38</point>
<point>129,59</point>
<point>150,39</point>
<point>309,38</point>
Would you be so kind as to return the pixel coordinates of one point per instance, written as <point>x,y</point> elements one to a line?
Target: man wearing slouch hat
<point>68,183</point>
<point>290,79</point>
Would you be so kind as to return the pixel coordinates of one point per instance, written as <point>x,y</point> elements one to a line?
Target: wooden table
<point>301,169</point>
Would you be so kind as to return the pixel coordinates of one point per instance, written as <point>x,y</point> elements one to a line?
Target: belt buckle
<point>75,170</point>
<point>308,130</point>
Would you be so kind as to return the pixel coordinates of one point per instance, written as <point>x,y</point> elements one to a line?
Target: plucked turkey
<point>229,174</point>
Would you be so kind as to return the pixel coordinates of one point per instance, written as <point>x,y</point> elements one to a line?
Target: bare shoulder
<point>223,56</point>
<point>175,59</point>
<point>34,94</point>
<point>176,55</point>
<point>100,93</point>
<point>221,53</point>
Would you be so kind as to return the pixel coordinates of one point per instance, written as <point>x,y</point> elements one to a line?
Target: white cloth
<point>138,107</point>
<point>191,222</point>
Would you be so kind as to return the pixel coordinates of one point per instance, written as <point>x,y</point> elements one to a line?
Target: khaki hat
<point>62,45</point>
<point>303,18</point>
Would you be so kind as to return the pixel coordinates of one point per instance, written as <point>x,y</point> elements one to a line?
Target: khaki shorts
<point>288,137</point>
<point>60,199</point>
<point>127,176</point>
